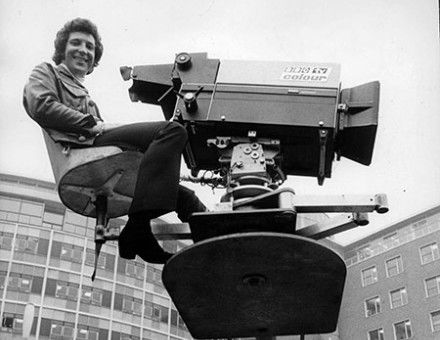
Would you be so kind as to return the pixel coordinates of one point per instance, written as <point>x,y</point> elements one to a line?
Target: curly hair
<point>77,25</point>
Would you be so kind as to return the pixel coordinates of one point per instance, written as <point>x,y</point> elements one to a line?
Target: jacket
<point>60,104</point>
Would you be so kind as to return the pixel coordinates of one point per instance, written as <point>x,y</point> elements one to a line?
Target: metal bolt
<point>321,123</point>
<point>254,280</point>
<point>223,117</point>
<point>188,96</point>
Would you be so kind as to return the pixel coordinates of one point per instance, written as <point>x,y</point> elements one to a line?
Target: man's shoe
<point>139,240</point>
<point>188,203</point>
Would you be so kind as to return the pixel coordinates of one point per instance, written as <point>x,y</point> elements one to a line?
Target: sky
<point>393,41</point>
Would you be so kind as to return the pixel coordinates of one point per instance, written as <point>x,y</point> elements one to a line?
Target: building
<point>393,282</point>
<point>47,258</point>
<point>47,255</point>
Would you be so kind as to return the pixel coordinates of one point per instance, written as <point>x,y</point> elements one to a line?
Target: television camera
<point>251,270</point>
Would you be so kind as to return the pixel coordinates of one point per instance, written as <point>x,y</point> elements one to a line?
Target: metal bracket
<point>333,226</point>
<point>320,230</point>
<point>322,203</point>
<point>357,205</point>
<point>322,146</point>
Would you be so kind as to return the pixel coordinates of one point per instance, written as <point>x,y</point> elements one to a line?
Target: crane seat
<point>84,174</point>
<point>96,182</point>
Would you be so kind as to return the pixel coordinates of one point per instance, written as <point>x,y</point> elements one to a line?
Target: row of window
<point>54,329</point>
<point>399,297</point>
<point>403,330</point>
<point>395,239</point>
<point>394,266</point>
<point>89,295</point>
<point>37,246</point>
<point>65,330</point>
<point>49,215</point>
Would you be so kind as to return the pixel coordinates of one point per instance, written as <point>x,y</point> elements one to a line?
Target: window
<point>134,269</point>
<point>402,330</point>
<point>131,305</point>
<point>26,244</point>
<point>398,297</point>
<point>377,334</point>
<point>435,321</point>
<point>71,253</point>
<point>9,204</point>
<point>390,241</point>
<point>87,334</point>
<point>394,266</point>
<point>364,252</point>
<point>419,228</point>
<point>6,240</point>
<point>429,253</point>
<point>181,323</point>
<point>18,324</point>
<point>154,275</point>
<point>74,218</point>
<point>123,336</point>
<point>20,282</point>
<point>177,324</point>
<point>137,307</point>
<point>106,261</point>
<point>61,331</point>
<point>13,321</point>
<point>90,259</point>
<point>65,290</point>
<point>31,208</point>
<point>156,312</point>
<point>432,286</point>
<point>31,213</point>
<point>369,276</point>
<point>51,218</point>
<point>2,280</point>
<point>372,306</point>
<point>92,295</point>
<point>8,322</point>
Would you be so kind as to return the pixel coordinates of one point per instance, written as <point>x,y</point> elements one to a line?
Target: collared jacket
<point>60,104</point>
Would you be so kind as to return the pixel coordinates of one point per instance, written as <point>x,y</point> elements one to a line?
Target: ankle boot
<point>188,203</point>
<point>137,239</point>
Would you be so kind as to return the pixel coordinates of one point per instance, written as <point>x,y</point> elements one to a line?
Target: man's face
<point>79,55</point>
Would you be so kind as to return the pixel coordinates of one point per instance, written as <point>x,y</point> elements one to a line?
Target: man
<point>57,100</point>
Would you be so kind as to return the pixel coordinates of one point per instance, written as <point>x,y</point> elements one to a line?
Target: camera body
<point>295,109</point>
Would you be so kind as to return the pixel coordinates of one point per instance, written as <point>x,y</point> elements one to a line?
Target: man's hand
<point>111,126</point>
<point>102,127</point>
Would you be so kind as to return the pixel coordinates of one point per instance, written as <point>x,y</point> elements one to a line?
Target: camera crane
<point>252,271</point>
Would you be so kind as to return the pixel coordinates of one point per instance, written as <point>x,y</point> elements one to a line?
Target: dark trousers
<point>157,185</point>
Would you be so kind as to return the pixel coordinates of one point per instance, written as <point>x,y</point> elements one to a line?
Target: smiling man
<point>56,99</point>
<point>80,54</point>
<point>55,96</point>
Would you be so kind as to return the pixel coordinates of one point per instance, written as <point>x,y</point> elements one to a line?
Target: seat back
<point>82,174</point>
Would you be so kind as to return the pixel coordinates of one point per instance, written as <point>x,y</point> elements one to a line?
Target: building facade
<point>47,258</point>
<point>392,290</point>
